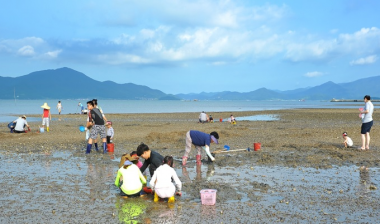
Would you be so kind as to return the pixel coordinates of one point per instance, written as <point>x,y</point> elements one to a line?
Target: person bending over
<point>199,140</point>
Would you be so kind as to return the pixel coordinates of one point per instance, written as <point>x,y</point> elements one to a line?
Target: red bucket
<point>257,146</point>
<point>110,147</point>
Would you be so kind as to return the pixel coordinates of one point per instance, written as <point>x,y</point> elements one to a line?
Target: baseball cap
<point>109,122</point>
<point>344,133</point>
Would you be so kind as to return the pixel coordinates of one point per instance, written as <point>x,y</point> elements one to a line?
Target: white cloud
<point>363,41</point>
<point>314,74</point>
<point>26,51</point>
<point>363,61</point>
<point>121,58</point>
<point>53,54</point>
<point>33,47</point>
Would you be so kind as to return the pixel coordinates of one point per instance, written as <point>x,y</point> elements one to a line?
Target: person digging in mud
<point>152,159</point>
<point>132,181</point>
<point>347,140</point>
<point>161,181</point>
<point>199,140</point>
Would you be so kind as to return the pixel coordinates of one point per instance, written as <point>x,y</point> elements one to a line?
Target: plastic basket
<point>208,196</point>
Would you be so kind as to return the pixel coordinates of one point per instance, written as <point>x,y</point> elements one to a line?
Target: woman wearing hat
<point>132,179</point>
<point>46,116</point>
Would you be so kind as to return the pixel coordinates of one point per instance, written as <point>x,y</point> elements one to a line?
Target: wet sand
<point>301,174</point>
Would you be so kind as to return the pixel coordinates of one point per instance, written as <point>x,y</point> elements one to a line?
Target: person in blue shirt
<point>199,140</point>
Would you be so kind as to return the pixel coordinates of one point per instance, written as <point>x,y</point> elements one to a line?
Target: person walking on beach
<point>199,140</point>
<point>96,123</point>
<point>81,107</point>
<point>20,125</point>
<point>46,116</point>
<point>59,107</point>
<point>367,122</point>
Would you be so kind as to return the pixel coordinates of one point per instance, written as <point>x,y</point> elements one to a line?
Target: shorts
<point>109,140</point>
<point>45,120</point>
<point>98,129</point>
<point>366,127</point>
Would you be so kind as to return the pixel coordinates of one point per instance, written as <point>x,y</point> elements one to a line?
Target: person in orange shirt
<point>46,116</point>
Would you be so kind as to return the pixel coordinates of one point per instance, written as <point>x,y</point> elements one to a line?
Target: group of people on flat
<point>130,178</point>
<point>20,125</point>
<point>205,118</point>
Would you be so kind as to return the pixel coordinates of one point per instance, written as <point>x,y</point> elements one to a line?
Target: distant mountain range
<point>66,83</point>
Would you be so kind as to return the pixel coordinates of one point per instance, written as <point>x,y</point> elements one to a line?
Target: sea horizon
<point>11,108</point>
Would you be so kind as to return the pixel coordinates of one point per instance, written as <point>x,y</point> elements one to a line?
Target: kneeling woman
<point>132,182</point>
<point>161,181</point>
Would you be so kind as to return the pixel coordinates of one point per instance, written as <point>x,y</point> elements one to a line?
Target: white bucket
<point>42,130</point>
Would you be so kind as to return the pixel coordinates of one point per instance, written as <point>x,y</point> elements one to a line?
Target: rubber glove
<point>207,149</point>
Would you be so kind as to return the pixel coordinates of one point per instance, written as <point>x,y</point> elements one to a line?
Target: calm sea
<point>10,108</point>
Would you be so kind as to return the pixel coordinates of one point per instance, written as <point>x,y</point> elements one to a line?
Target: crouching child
<point>162,184</point>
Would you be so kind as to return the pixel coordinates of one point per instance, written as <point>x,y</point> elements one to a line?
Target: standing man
<point>199,140</point>
<point>46,116</point>
<point>367,122</point>
<point>96,123</point>
<point>20,124</point>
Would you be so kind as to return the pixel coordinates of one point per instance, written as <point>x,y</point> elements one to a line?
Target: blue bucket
<point>226,147</point>
<point>81,128</point>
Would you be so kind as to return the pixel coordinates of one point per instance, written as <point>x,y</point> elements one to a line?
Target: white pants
<point>166,192</point>
<point>45,120</point>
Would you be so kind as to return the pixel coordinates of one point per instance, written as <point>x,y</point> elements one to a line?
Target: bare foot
<point>361,148</point>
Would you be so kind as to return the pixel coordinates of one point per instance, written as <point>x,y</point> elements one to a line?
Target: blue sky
<point>181,46</point>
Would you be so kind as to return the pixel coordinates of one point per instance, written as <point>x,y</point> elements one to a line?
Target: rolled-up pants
<point>189,142</point>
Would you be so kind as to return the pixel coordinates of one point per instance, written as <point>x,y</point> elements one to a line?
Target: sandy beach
<point>301,174</point>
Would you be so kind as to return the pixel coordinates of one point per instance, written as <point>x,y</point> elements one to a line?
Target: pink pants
<point>188,145</point>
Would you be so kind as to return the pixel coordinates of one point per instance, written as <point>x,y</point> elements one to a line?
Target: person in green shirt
<point>133,180</point>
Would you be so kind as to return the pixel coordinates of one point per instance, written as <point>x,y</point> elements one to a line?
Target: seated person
<point>133,180</point>
<point>211,119</point>
<point>203,117</point>
<point>20,125</point>
<point>161,181</point>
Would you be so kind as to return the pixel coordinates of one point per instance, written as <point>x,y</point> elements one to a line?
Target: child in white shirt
<point>161,181</point>
<point>347,140</point>
<point>110,132</point>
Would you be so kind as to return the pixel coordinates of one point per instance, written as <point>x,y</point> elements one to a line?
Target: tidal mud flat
<point>301,174</point>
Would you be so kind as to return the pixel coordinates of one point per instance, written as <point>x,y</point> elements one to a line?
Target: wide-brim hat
<point>130,158</point>
<point>45,106</point>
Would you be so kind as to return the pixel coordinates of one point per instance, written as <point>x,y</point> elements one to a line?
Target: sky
<point>195,46</point>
